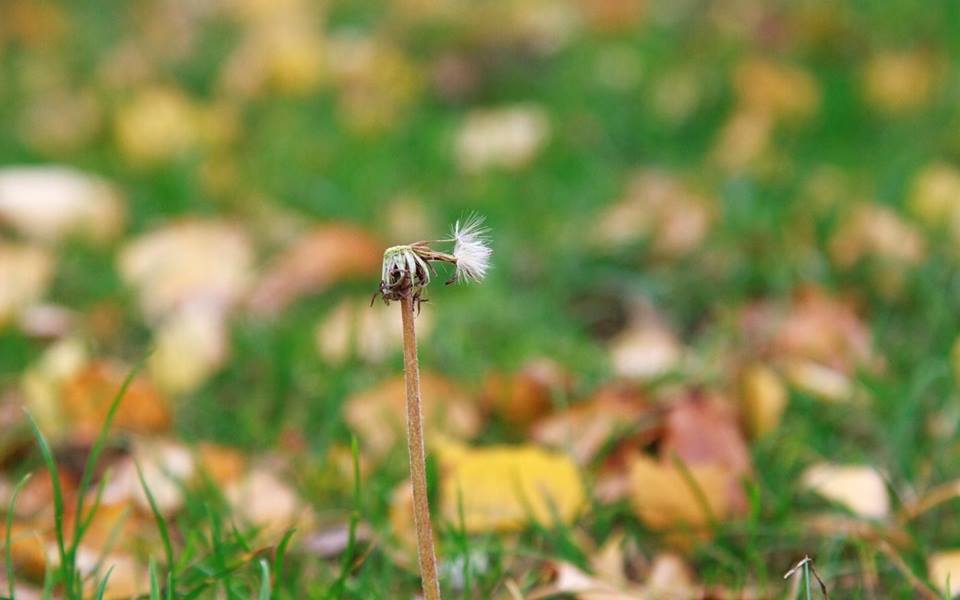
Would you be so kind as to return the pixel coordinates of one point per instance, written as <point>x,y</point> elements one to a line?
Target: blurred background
<point>718,335</point>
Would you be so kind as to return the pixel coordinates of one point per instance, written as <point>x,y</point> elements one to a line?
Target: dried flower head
<point>471,248</point>
<point>407,269</point>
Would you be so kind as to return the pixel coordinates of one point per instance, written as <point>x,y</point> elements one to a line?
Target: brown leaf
<point>315,262</point>
<point>522,397</point>
<point>661,207</point>
<point>583,429</point>
<point>702,431</point>
<point>87,397</point>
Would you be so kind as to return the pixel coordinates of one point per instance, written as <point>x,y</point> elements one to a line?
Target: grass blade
<point>281,552</point>
<point>66,566</point>
<point>265,592</point>
<point>161,522</point>
<point>95,452</point>
<point>8,553</point>
<point>102,588</point>
<point>154,581</point>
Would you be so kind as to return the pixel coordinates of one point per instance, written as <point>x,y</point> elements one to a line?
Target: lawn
<point>719,333</point>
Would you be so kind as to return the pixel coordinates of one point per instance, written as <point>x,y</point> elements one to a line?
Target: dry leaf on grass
<point>568,579</point>
<point>203,263</point>
<point>505,138</point>
<point>659,207</point>
<point>935,197</point>
<point>313,263</point>
<point>763,399</point>
<point>522,397</point>
<point>264,501</point>
<point>50,203</point>
<point>861,489</point>
<point>667,497</point>
<point>378,415</point>
<point>817,339</point>
<point>583,429</point>
<point>900,81</point>
<point>504,487</point>
<point>156,125</point>
<point>87,397</point>
<point>645,351</point>
<point>25,275</point>
<point>781,90</point>
<point>189,347</point>
<point>943,570</point>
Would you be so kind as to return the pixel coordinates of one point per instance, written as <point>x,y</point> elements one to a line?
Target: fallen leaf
<point>666,498</point>
<point>742,141</point>
<point>583,429</point>
<point>935,197</point>
<point>701,430</point>
<point>660,207</point>
<point>222,464</point>
<point>763,399</point>
<point>900,81</point>
<point>568,579</point>
<point>88,394</point>
<point>861,489</point>
<point>158,124</point>
<point>378,415</point>
<point>871,232</point>
<point>167,466</point>
<point>820,381</point>
<point>205,263</point>
<point>129,577</point>
<point>189,347</point>
<point>502,488</point>
<point>504,138</point>
<point>315,262</point>
<point>264,501</point>
<point>51,203</point>
<point>781,90</point>
<point>522,397</point>
<point>944,571</point>
<point>645,351</point>
<point>25,275</point>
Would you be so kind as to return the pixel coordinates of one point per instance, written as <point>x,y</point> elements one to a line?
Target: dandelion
<point>407,270</point>
<point>471,249</point>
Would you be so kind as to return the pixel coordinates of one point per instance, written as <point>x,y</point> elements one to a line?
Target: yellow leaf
<point>504,487</point>
<point>664,497</point>
<point>763,399</point>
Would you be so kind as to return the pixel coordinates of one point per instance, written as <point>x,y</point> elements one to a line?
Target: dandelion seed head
<point>471,247</point>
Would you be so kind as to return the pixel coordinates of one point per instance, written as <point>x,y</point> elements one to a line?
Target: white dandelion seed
<point>471,247</point>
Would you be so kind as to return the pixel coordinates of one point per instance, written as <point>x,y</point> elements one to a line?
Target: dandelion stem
<point>418,466</point>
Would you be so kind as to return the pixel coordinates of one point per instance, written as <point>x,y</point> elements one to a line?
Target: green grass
<point>300,155</point>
